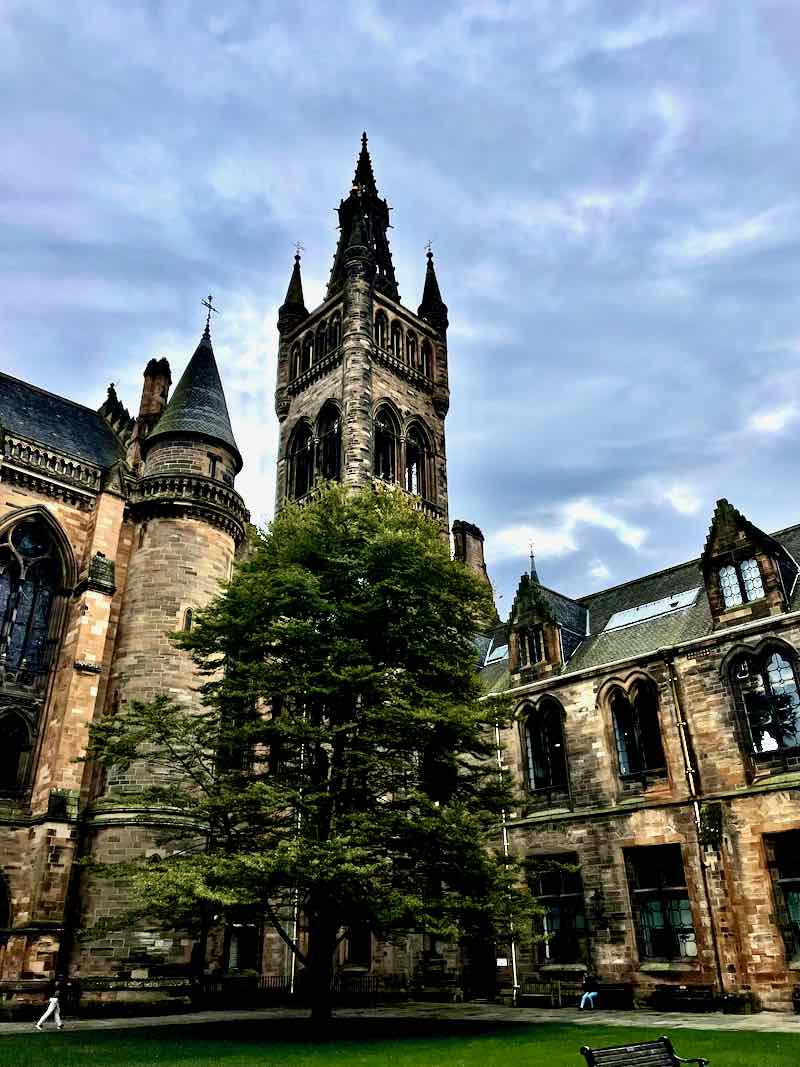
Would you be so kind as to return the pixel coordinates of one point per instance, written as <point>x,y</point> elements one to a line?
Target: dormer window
<point>531,647</point>
<point>741,583</point>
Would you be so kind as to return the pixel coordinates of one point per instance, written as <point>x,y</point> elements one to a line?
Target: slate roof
<point>639,638</point>
<point>198,406</point>
<point>57,423</point>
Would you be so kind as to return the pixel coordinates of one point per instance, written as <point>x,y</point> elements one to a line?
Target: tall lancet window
<point>427,358</point>
<point>381,330</point>
<point>397,340</point>
<point>387,436</point>
<point>301,461</point>
<point>329,443</point>
<point>29,579</point>
<point>417,462</point>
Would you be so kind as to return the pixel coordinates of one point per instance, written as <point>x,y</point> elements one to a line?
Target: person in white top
<point>53,1008</point>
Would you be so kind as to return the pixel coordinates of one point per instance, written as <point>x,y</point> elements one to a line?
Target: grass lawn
<point>376,1043</point>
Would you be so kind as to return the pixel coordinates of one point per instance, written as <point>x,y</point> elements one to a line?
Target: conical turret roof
<point>198,407</point>
<point>294,294</point>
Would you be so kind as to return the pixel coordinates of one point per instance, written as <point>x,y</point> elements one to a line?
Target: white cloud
<point>599,570</point>
<point>559,537</point>
<point>699,243</point>
<point>772,420</point>
<point>682,497</point>
<point>649,27</point>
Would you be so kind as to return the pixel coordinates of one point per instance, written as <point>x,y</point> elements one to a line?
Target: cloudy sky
<point>611,189</point>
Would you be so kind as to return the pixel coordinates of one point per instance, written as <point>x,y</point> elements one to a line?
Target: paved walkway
<point>767,1022</point>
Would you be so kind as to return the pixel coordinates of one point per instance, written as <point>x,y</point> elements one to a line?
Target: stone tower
<point>186,522</point>
<point>362,389</point>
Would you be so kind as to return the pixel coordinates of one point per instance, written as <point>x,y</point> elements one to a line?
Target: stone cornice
<point>315,371</point>
<point>191,495</point>
<point>402,369</point>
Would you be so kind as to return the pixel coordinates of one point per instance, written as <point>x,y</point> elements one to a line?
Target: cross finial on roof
<point>298,250</point>
<point>534,575</point>
<point>210,305</point>
<point>429,249</point>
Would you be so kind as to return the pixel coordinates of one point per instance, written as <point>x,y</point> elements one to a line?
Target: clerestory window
<point>661,908</point>
<point>766,690</point>
<point>637,733</point>
<point>740,583</point>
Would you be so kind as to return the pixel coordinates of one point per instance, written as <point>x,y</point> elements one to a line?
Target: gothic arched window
<point>381,329</point>
<point>397,340</point>
<point>387,435</point>
<point>29,579</point>
<point>636,731</point>
<point>329,443</point>
<point>321,341</point>
<point>334,331</point>
<point>308,352</point>
<point>411,349</point>
<point>295,361</point>
<point>301,461</point>
<point>767,694</point>
<point>417,462</point>
<point>545,752</point>
<point>427,358</point>
<point>15,746</point>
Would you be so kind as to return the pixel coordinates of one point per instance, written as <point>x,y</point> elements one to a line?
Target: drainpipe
<point>694,793</point>
<point>506,853</point>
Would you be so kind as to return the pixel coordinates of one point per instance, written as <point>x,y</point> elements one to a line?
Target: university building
<point>658,723</point>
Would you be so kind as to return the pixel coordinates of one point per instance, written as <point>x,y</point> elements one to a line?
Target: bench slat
<point>647,1054</point>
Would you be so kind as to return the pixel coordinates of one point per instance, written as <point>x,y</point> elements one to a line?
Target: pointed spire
<point>433,309</point>
<point>534,575</point>
<point>293,310</point>
<point>363,210</point>
<point>364,179</point>
<point>198,407</point>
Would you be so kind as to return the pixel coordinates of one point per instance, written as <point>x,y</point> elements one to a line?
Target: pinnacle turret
<point>197,407</point>
<point>293,309</point>
<point>433,309</point>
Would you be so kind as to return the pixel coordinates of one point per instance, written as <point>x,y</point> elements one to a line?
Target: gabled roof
<point>57,423</point>
<point>671,627</point>
<point>198,407</point>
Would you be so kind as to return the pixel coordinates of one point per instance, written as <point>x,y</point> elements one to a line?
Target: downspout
<point>506,854</point>
<point>694,793</point>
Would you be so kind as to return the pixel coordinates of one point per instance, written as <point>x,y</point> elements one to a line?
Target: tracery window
<point>660,899</point>
<point>558,887</point>
<point>417,462</point>
<point>329,443</point>
<point>740,583</point>
<point>766,689</point>
<point>427,358</point>
<point>301,461</point>
<point>387,437</point>
<point>411,349</point>
<point>397,340</point>
<point>636,731</point>
<point>29,574</point>
<point>381,329</point>
<point>545,751</point>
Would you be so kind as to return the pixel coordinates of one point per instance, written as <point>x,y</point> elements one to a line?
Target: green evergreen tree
<point>340,761</point>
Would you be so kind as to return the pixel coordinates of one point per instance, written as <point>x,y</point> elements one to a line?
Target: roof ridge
<point>665,570</point>
<point>55,396</point>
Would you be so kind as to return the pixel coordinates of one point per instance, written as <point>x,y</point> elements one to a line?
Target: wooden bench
<point>684,998</point>
<point>658,1053</point>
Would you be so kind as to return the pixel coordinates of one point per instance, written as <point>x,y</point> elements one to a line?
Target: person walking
<point>590,990</point>
<point>53,1007</point>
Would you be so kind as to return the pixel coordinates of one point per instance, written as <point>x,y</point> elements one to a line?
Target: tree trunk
<point>321,945</point>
